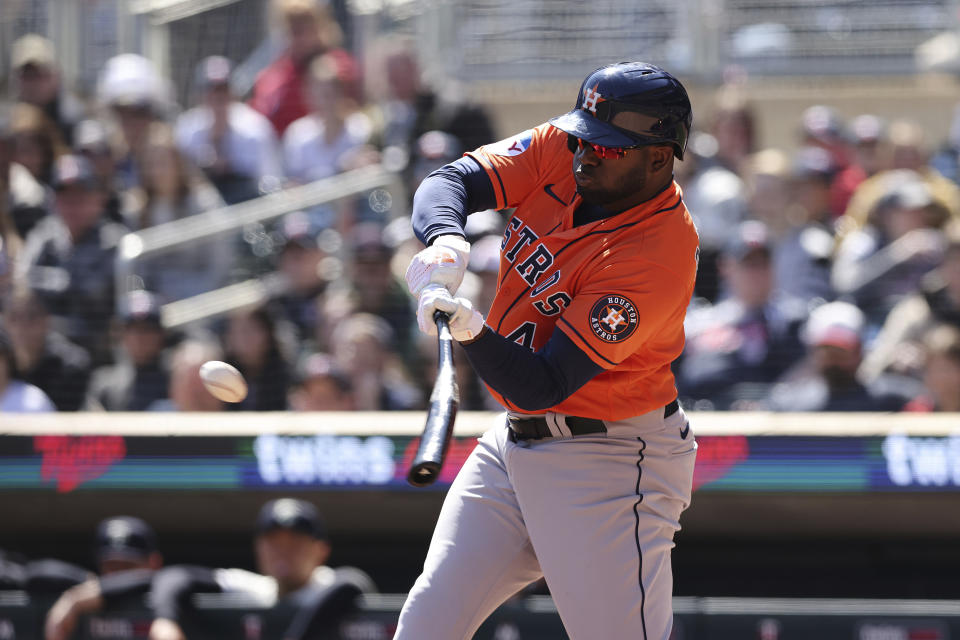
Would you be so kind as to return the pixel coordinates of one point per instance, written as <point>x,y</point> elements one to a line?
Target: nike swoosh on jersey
<point>549,191</point>
<point>685,431</point>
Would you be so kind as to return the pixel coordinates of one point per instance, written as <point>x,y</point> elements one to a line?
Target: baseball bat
<point>444,400</point>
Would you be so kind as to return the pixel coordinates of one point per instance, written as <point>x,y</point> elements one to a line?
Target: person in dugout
<point>292,547</point>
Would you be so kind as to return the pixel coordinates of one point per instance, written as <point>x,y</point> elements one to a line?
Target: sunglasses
<point>605,153</point>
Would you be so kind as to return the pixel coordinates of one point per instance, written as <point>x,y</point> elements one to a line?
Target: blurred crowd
<point>829,276</point>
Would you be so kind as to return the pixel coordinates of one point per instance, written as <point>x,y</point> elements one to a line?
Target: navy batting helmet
<point>630,104</point>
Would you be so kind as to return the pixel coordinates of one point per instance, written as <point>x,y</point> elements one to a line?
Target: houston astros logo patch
<point>613,318</point>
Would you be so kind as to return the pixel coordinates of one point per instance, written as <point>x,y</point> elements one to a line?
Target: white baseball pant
<point>595,515</point>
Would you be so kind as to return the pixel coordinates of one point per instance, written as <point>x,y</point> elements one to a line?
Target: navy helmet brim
<point>581,124</point>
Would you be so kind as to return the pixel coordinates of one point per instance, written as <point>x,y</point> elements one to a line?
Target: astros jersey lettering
<point>617,287</point>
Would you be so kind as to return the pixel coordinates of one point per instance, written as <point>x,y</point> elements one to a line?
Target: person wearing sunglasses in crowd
<point>584,480</point>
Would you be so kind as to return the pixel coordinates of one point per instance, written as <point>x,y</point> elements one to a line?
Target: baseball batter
<point>585,479</point>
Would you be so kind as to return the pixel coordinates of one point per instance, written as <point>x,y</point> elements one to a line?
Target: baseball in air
<point>223,381</point>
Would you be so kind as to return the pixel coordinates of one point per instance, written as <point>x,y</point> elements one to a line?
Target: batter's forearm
<point>533,381</point>
<point>445,198</point>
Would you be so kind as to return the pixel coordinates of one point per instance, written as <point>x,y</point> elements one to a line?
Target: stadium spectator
<point>24,199</point>
<point>127,557</point>
<point>17,396</point>
<point>733,125</point>
<point>171,189</point>
<point>331,138</point>
<point>897,348</point>
<point>234,145</point>
<point>886,260</point>
<point>871,155</point>
<point>827,381</point>
<point>36,81</point>
<point>320,386</point>
<point>140,377</point>
<point>252,346</point>
<point>375,289</point>
<point>362,348</point>
<point>941,371</point>
<point>69,259</point>
<point>92,140</point>
<point>739,346</point>
<point>411,108</point>
<point>822,126</point>
<point>10,240</point>
<point>136,96</point>
<point>36,141</point>
<point>717,198</point>
<point>186,391</point>
<point>803,255</point>
<point>279,92</point>
<point>45,357</point>
<point>308,264</point>
<point>292,547</point>
<point>908,153</point>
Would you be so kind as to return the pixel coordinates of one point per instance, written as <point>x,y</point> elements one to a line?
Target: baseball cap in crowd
<point>750,236</point>
<point>292,515</point>
<point>908,193</point>
<point>141,306</point>
<point>32,49</point>
<point>369,243</point>
<point>823,124</point>
<point>813,163</point>
<point>90,135</point>
<point>867,128</point>
<point>836,324</point>
<point>130,80</point>
<point>125,538</point>
<point>70,170</point>
<point>298,229</point>
<point>213,71</point>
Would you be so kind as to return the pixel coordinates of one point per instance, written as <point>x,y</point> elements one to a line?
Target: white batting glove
<point>443,263</point>
<point>466,323</point>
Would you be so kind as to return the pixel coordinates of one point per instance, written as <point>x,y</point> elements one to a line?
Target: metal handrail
<point>174,235</point>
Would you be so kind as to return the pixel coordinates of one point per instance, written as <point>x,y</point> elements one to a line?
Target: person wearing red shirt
<point>279,92</point>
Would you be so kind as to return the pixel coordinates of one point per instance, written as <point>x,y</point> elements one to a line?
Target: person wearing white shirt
<point>234,144</point>
<point>333,136</point>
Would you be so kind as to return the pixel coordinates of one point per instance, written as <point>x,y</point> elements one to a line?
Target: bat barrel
<point>444,402</point>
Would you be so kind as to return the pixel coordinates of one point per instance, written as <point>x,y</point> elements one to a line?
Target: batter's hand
<point>466,323</point>
<point>443,263</point>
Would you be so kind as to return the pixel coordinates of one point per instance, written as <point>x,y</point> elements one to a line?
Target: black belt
<point>536,428</point>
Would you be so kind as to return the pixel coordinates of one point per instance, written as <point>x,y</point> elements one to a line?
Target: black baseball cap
<point>293,515</point>
<point>125,538</point>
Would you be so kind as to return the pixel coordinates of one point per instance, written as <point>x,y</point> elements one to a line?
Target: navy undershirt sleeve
<point>532,381</point>
<point>445,198</point>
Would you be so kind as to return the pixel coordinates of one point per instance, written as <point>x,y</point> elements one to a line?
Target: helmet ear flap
<point>572,143</point>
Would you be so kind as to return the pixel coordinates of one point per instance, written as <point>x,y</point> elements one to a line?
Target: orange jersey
<point>617,287</point>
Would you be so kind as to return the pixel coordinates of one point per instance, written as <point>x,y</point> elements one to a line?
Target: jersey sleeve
<point>621,308</point>
<point>516,165</point>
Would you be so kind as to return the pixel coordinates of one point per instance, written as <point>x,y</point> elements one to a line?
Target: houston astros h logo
<point>590,99</point>
<point>613,318</point>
